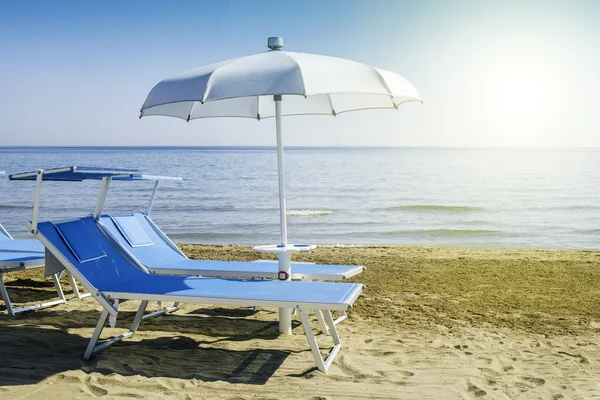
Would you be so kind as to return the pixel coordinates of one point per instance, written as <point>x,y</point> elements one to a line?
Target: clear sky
<point>491,73</point>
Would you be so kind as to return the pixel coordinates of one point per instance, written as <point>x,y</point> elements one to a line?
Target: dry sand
<point>432,323</point>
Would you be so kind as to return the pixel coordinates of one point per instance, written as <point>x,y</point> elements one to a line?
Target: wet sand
<point>432,322</point>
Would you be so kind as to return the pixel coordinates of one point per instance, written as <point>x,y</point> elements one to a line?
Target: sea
<point>474,198</point>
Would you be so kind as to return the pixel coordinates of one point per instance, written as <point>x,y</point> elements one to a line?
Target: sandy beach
<point>432,323</point>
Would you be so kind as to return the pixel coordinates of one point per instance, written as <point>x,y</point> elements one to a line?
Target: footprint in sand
<point>463,348</point>
<point>130,395</point>
<point>69,378</point>
<point>535,381</point>
<point>579,357</point>
<point>95,390</point>
<point>127,368</point>
<point>380,353</point>
<point>490,372</point>
<point>396,374</point>
<point>477,392</point>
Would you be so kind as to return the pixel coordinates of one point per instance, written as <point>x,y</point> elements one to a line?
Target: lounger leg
<point>59,290</point>
<point>322,324</point>
<point>322,365</point>
<point>99,327</point>
<point>310,336</point>
<point>92,348</point>
<point>112,320</point>
<point>332,329</point>
<point>319,315</point>
<point>76,289</point>
<point>138,317</point>
<point>162,311</point>
<point>13,311</point>
<point>342,317</point>
<point>4,294</point>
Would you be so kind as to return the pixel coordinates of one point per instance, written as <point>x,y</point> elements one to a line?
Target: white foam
<point>307,213</point>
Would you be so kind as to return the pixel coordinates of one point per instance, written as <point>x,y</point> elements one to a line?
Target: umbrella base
<point>284,255</point>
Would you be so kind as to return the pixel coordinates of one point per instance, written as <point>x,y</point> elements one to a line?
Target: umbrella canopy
<point>278,83</point>
<point>310,84</point>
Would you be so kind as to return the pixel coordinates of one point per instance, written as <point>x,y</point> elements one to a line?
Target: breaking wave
<point>435,207</point>
<point>307,213</point>
<point>209,235</point>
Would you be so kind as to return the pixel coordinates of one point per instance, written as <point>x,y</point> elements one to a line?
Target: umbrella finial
<point>275,43</point>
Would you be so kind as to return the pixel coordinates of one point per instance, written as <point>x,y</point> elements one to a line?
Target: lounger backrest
<point>86,248</point>
<point>134,232</point>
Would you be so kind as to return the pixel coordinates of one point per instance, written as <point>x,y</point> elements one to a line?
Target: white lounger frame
<point>12,311</point>
<point>22,266</point>
<point>110,300</point>
<point>323,364</point>
<point>8,267</point>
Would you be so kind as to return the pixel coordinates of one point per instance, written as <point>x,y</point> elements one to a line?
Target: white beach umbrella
<point>274,84</point>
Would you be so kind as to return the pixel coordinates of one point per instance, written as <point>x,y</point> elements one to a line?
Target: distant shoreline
<point>433,246</point>
<point>334,147</point>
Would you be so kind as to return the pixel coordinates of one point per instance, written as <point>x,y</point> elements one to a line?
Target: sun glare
<point>519,98</point>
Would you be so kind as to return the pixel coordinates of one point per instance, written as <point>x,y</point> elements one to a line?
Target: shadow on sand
<point>233,325</point>
<point>35,348</point>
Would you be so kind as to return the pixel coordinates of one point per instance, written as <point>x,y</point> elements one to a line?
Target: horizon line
<point>328,147</point>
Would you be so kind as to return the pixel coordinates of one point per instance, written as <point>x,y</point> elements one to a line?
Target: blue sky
<point>491,73</point>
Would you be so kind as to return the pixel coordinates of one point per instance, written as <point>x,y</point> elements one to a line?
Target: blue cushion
<point>132,231</point>
<point>79,241</point>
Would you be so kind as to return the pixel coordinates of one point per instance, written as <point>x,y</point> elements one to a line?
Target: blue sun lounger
<point>23,254</point>
<point>149,245</point>
<point>86,252</point>
<point>19,255</point>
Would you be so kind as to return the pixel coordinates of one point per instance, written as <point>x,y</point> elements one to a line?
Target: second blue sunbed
<point>19,255</point>
<point>137,233</point>
<point>147,244</point>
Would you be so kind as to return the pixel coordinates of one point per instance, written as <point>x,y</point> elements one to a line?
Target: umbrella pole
<point>282,216</point>
<point>284,257</point>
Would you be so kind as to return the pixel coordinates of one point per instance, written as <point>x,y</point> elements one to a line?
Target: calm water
<point>476,198</point>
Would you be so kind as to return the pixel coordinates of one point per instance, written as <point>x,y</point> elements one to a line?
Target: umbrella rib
<point>301,74</point>
<point>190,112</point>
<point>384,83</point>
<point>207,85</point>
<point>331,104</point>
